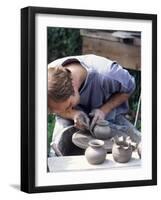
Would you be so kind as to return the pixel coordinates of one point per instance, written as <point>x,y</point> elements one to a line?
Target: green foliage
<point>134,99</point>
<point>63,42</point>
<point>138,125</point>
<point>51,123</point>
<point>135,96</point>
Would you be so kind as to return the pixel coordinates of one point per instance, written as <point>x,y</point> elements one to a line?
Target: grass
<point>51,124</point>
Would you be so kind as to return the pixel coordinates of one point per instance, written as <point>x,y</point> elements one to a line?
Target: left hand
<point>81,120</point>
<point>97,114</point>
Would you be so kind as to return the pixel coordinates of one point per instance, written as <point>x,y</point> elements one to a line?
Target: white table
<point>75,163</point>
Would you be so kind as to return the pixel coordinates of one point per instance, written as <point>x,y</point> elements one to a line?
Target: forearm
<point>80,119</point>
<point>114,101</point>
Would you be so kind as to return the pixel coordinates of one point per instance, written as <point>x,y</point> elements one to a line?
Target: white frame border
<point>64,178</point>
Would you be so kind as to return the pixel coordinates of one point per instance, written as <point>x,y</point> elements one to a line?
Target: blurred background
<point>122,46</point>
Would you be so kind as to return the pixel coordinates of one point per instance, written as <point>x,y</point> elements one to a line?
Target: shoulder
<point>67,60</point>
<point>95,61</point>
<point>90,61</point>
<point>57,62</point>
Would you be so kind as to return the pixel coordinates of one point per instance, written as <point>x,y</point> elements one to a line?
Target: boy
<point>86,86</point>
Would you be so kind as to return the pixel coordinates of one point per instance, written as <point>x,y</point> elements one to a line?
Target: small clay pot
<point>95,152</point>
<point>102,130</point>
<point>121,150</point>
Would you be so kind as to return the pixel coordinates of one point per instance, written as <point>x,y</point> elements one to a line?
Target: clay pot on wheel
<point>102,130</point>
<point>95,152</point>
<point>122,149</point>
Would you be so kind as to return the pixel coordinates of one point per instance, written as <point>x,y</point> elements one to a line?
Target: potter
<point>80,87</point>
<point>95,152</point>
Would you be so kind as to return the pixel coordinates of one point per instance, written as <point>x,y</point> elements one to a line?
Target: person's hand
<point>81,120</point>
<point>97,114</point>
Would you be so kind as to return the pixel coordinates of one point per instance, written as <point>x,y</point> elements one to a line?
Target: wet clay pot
<point>121,150</point>
<point>95,152</point>
<point>102,130</point>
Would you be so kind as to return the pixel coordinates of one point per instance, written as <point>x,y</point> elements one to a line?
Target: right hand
<point>97,114</point>
<point>81,120</point>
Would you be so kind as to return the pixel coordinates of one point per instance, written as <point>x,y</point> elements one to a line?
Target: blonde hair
<point>60,86</point>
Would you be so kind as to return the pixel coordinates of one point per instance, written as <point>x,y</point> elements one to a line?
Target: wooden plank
<point>128,56</point>
<point>115,36</point>
<point>99,35</point>
<point>75,163</point>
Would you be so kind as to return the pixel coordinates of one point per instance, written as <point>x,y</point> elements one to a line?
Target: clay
<point>95,153</point>
<point>102,130</point>
<point>82,138</point>
<point>122,149</point>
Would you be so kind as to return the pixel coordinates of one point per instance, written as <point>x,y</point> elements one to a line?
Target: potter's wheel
<point>81,140</point>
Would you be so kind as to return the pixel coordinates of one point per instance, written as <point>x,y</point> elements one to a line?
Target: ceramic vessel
<point>139,149</point>
<point>95,152</point>
<point>102,130</point>
<point>122,149</point>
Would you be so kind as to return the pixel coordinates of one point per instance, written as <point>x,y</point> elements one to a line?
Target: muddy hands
<point>96,114</point>
<point>81,120</point>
